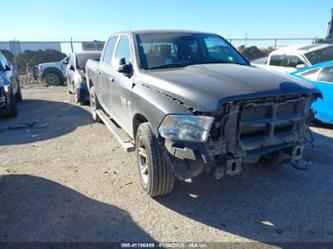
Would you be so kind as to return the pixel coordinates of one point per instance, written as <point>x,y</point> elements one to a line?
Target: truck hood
<point>50,64</point>
<point>206,87</point>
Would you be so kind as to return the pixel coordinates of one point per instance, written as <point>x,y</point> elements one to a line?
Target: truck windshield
<point>321,55</point>
<point>81,59</point>
<point>160,50</point>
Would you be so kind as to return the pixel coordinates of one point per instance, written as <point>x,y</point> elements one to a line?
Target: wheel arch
<point>137,120</point>
<point>90,84</point>
<point>53,70</point>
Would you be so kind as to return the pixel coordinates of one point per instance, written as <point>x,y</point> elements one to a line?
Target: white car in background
<point>291,58</point>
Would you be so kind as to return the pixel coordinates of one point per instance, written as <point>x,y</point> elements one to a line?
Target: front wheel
<point>77,96</point>
<point>52,79</point>
<point>13,105</point>
<point>18,96</point>
<point>155,176</point>
<point>94,105</point>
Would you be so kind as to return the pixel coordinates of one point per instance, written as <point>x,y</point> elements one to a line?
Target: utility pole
<point>72,45</point>
<point>329,34</point>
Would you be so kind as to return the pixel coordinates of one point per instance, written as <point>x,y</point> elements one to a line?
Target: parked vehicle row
<point>10,90</point>
<point>75,72</point>
<point>321,75</point>
<point>188,103</point>
<point>291,58</point>
<point>52,73</point>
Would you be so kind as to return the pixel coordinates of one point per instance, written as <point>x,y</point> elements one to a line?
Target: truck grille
<point>37,73</point>
<point>266,122</point>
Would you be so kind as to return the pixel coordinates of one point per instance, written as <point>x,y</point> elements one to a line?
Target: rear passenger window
<point>123,50</point>
<point>277,60</point>
<point>285,61</point>
<point>309,75</point>
<point>326,75</point>
<point>107,58</point>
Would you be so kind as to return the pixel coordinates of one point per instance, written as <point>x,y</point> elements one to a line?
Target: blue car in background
<point>321,75</point>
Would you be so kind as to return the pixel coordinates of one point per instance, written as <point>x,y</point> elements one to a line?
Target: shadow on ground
<point>40,120</point>
<point>36,209</point>
<point>262,203</point>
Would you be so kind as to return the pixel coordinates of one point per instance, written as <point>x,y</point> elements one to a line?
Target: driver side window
<point>123,50</point>
<point>108,53</point>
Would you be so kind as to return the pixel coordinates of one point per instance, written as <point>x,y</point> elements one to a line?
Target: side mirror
<point>71,67</point>
<point>65,61</point>
<point>124,68</point>
<point>300,66</point>
<point>7,68</point>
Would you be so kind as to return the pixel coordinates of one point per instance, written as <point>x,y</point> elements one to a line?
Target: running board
<point>118,132</point>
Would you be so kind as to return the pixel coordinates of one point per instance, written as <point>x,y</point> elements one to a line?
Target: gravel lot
<point>65,178</point>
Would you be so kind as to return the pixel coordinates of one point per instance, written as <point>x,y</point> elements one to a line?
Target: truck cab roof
<point>300,49</point>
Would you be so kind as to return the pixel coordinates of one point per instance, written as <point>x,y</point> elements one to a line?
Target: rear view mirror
<point>7,68</point>
<point>65,61</point>
<point>125,68</point>
<point>71,67</point>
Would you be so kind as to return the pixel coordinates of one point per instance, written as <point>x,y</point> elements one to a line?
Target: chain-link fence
<point>25,55</point>
<point>270,42</point>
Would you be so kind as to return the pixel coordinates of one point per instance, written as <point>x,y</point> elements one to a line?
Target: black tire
<point>159,179</point>
<point>18,96</point>
<point>94,105</point>
<point>52,79</point>
<point>13,105</point>
<point>70,91</point>
<point>76,96</point>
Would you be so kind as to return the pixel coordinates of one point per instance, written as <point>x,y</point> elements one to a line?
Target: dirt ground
<point>65,178</point>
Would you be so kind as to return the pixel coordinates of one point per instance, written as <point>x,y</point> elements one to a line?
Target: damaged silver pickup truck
<point>188,102</point>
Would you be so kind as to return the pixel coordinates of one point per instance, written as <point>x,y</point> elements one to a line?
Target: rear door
<point>105,75</point>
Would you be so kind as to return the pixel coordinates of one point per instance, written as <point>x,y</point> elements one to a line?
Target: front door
<point>105,72</point>
<point>121,90</point>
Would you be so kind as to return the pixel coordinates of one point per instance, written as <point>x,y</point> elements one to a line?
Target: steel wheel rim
<point>143,161</point>
<point>51,80</point>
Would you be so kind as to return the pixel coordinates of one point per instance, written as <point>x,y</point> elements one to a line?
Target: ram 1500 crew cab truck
<point>189,103</point>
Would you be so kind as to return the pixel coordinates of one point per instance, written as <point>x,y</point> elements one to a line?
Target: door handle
<point>111,79</point>
<point>99,72</point>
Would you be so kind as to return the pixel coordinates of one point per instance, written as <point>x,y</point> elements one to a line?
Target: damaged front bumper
<point>244,132</point>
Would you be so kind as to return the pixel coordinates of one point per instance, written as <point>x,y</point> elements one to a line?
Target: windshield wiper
<point>172,65</point>
<point>222,62</point>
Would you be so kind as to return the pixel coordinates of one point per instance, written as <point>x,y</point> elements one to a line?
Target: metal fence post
<point>72,45</point>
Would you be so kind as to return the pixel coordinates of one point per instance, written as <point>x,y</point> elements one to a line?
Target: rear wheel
<point>52,79</point>
<point>70,91</point>
<point>13,105</point>
<point>155,176</point>
<point>18,96</point>
<point>76,95</point>
<point>94,105</point>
